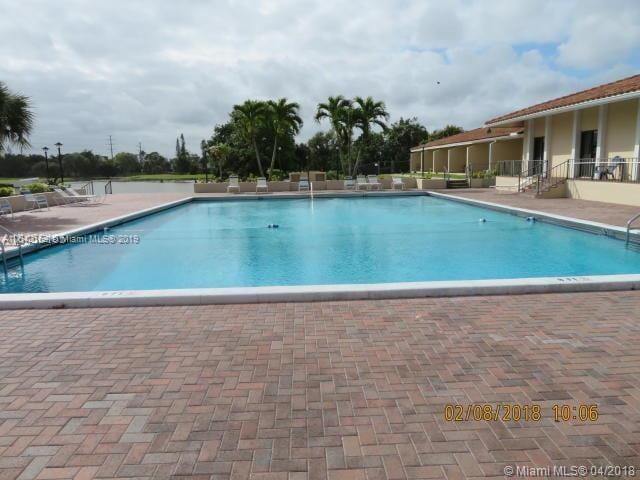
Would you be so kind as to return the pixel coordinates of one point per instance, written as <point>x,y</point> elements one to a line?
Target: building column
<point>422,162</point>
<point>546,155</point>
<point>527,145</point>
<point>601,147</point>
<point>466,168</point>
<point>449,160</point>
<point>575,143</point>
<point>491,152</point>
<point>636,148</point>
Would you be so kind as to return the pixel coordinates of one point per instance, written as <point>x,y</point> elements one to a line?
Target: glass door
<point>588,145</point>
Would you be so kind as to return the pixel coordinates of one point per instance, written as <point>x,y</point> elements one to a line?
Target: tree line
<point>258,139</point>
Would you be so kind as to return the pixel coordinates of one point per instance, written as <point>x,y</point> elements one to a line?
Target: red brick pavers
<point>68,217</point>
<point>339,390</point>
<point>609,213</point>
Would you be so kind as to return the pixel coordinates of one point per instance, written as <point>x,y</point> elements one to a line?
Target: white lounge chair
<point>303,184</point>
<point>372,181</point>
<point>349,183</point>
<point>361,182</point>
<point>5,207</point>
<point>65,197</point>
<point>397,182</point>
<point>262,185</point>
<point>36,201</point>
<point>234,184</point>
<point>91,198</point>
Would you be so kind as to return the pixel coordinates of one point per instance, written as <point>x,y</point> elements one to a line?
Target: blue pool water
<point>324,241</point>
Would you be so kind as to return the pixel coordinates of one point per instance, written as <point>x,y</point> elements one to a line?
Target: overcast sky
<point>148,70</point>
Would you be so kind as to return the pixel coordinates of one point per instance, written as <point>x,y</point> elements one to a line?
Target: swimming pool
<point>205,244</point>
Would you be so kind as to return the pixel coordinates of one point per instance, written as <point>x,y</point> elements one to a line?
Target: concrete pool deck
<point>318,391</point>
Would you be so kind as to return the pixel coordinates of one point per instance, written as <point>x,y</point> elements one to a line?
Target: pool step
<point>458,183</point>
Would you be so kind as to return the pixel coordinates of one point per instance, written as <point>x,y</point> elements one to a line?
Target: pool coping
<point>335,292</point>
<point>587,226</point>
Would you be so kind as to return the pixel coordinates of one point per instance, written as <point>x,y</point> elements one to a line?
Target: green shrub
<point>37,187</point>
<point>6,191</point>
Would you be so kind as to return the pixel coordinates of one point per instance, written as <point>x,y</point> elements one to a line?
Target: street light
<point>46,161</point>
<point>58,144</point>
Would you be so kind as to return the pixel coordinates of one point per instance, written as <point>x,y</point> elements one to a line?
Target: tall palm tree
<point>250,116</point>
<point>16,118</point>
<point>339,112</point>
<point>368,113</point>
<point>284,119</point>
<point>220,152</point>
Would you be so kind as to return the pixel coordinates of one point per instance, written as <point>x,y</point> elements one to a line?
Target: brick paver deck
<point>63,218</point>
<point>610,213</point>
<point>340,390</point>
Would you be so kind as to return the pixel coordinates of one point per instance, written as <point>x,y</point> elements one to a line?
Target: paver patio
<point>610,213</point>
<point>338,390</point>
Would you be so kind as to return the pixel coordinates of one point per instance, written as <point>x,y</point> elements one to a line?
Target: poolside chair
<point>36,201</point>
<point>5,207</point>
<point>349,184</point>
<point>397,182</point>
<point>65,197</point>
<point>234,184</point>
<point>372,181</point>
<point>262,185</point>
<point>91,198</point>
<point>303,184</point>
<point>361,182</point>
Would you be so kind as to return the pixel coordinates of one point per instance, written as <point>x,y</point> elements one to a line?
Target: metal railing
<point>629,223</point>
<point>553,177</point>
<point>616,169</point>
<point>3,251</point>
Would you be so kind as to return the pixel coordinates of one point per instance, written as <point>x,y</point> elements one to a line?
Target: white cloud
<point>148,70</point>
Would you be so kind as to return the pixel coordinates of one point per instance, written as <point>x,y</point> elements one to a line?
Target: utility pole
<point>111,146</point>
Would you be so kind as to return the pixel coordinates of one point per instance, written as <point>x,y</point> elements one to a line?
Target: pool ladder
<point>629,223</point>
<point>3,251</point>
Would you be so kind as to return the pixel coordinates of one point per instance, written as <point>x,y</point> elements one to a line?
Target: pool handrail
<point>629,223</point>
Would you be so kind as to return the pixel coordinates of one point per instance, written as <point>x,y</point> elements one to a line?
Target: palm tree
<point>340,114</point>
<point>250,116</point>
<point>220,153</point>
<point>284,119</point>
<point>16,118</point>
<point>368,113</point>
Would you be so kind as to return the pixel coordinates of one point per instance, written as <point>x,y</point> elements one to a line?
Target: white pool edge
<point>317,293</point>
<point>337,292</point>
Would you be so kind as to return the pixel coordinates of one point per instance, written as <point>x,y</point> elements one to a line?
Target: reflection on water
<point>139,187</point>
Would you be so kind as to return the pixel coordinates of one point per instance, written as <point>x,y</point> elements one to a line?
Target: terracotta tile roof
<point>626,85</point>
<point>474,135</point>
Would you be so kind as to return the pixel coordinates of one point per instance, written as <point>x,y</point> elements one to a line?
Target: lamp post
<point>58,144</point>
<point>46,161</point>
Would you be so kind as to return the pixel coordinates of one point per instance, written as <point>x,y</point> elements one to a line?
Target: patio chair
<point>262,185</point>
<point>372,181</point>
<point>36,201</point>
<point>303,184</point>
<point>91,198</point>
<point>5,207</point>
<point>65,197</point>
<point>234,184</point>
<point>361,182</point>
<point>349,183</point>
<point>397,182</point>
